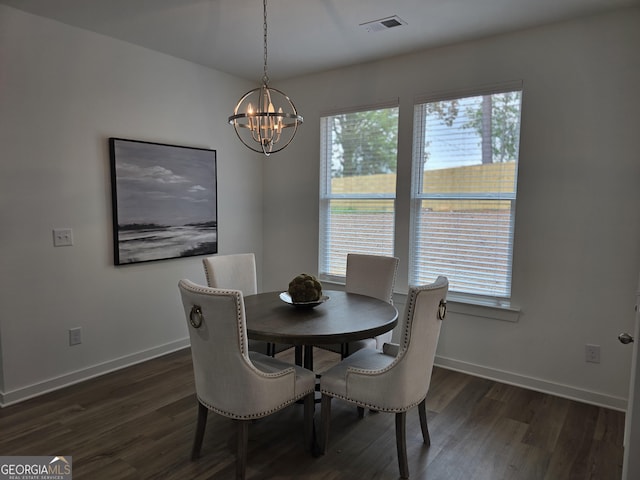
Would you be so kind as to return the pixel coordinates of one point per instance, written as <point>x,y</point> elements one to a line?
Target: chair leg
<point>422,410</point>
<point>309,434</point>
<point>202,423</point>
<point>241,455</point>
<point>325,417</point>
<point>401,443</point>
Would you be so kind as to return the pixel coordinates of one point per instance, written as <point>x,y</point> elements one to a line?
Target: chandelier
<point>265,119</point>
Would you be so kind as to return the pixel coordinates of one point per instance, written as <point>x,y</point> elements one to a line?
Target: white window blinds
<point>465,162</point>
<point>357,186</point>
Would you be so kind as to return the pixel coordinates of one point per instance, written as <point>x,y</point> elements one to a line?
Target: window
<point>358,157</point>
<point>465,164</point>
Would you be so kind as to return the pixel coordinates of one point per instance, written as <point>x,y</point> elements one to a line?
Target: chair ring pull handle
<point>195,317</point>
<point>442,309</point>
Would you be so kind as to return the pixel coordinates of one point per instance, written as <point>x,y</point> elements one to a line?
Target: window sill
<point>481,307</point>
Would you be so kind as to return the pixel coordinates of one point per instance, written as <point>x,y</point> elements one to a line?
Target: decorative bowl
<point>286,298</point>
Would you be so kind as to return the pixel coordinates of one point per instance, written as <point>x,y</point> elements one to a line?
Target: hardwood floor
<point>139,423</point>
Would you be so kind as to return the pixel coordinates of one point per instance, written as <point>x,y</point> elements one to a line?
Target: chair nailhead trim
<point>254,415</point>
<point>369,405</point>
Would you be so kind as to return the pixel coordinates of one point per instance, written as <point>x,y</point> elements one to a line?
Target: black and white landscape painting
<point>164,201</point>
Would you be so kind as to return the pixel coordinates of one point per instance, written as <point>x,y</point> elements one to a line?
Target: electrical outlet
<point>592,353</point>
<point>75,336</point>
<point>62,237</point>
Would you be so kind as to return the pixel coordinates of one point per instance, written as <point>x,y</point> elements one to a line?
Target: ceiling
<point>304,36</point>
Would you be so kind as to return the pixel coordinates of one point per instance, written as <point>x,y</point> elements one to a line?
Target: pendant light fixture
<point>265,119</point>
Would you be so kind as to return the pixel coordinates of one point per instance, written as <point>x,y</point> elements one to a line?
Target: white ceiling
<point>303,35</point>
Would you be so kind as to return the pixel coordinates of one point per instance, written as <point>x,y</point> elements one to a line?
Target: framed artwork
<point>164,201</point>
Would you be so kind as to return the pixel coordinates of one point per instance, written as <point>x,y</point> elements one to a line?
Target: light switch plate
<point>62,237</point>
<point>75,336</point>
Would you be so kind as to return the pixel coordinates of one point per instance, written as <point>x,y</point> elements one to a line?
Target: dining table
<point>339,318</point>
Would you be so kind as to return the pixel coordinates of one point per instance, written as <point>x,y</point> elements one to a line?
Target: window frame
<point>418,196</point>
<point>327,196</point>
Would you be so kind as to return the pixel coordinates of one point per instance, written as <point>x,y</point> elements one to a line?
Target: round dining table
<point>342,318</point>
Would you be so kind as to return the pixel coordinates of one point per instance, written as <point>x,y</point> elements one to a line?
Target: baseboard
<point>37,389</point>
<point>531,383</point>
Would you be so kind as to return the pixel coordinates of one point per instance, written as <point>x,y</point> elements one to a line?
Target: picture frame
<point>164,201</point>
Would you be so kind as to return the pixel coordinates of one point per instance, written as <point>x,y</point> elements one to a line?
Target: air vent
<point>383,24</point>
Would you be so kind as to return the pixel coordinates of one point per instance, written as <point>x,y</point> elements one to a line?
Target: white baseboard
<point>510,378</point>
<point>37,389</point>
<point>531,383</point>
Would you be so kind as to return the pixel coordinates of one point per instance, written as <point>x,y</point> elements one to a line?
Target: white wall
<point>63,93</point>
<point>577,245</point>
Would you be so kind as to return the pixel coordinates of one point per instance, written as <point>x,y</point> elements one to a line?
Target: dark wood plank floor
<point>138,423</point>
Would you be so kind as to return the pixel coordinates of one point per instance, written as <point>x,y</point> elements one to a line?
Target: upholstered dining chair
<point>397,378</point>
<point>374,276</point>
<point>236,271</point>
<point>232,381</point>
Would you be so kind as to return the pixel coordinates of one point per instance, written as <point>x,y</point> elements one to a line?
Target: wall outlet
<point>62,237</point>
<point>592,353</point>
<point>75,336</point>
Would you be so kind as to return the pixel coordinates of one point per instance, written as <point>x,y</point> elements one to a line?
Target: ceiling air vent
<point>383,24</point>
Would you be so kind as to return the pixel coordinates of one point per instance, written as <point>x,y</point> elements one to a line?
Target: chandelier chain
<point>265,77</point>
<point>265,119</point>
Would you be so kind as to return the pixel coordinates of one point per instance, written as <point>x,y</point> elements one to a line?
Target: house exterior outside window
<point>464,179</point>
<point>357,185</point>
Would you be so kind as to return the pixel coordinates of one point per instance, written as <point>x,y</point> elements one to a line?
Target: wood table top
<point>343,318</point>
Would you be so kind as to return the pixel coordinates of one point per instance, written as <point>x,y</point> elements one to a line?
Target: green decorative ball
<point>305,288</point>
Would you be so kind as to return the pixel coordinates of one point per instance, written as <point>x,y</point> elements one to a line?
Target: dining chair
<point>397,378</point>
<point>373,276</point>
<point>236,272</point>
<point>229,379</point>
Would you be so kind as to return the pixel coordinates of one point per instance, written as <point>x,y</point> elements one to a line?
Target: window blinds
<point>464,176</point>
<point>357,186</point>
